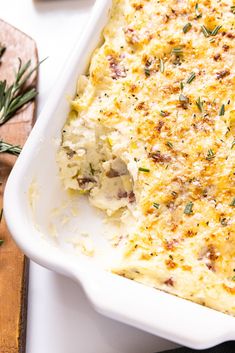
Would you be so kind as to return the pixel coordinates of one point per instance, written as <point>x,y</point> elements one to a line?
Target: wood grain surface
<point>13,264</point>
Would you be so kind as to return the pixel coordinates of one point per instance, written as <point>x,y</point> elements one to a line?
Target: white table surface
<point>60,318</point>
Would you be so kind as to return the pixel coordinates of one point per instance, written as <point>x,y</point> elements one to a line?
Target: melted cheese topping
<point>150,138</point>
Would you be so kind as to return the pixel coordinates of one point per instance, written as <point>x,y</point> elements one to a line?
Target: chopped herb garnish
<point>189,208</point>
<point>142,169</point>
<point>233,202</point>
<point>162,66</point>
<point>199,104</point>
<point>198,13</point>
<point>9,148</point>
<point>210,155</point>
<point>222,110</point>
<point>1,242</point>
<point>212,40</point>
<point>156,205</point>
<point>169,144</point>
<point>205,31</point>
<point>233,144</point>
<point>147,71</point>
<point>191,77</point>
<point>233,278</point>
<point>216,30</point>
<point>177,51</point>
<point>233,9</point>
<point>187,27</point>
<point>91,169</point>
<point>181,86</point>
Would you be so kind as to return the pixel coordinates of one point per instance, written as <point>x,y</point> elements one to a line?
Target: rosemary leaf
<point>189,208</point>
<point>205,31</point>
<point>9,148</point>
<point>187,27</point>
<point>142,169</point>
<point>198,13</point>
<point>191,77</point>
<point>156,205</point>
<point>222,110</point>
<point>169,144</point>
<point>162,66</point>
<point>210,155</point>
<point>177,51</point>
<point>199,104</point>
<point>215,30</point>
<point>233,144</point>
<point>233,202</point>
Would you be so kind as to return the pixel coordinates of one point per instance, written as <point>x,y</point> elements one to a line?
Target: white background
<point>60,318</point>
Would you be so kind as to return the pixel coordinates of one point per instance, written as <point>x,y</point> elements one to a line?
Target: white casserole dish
<point>149,309</point>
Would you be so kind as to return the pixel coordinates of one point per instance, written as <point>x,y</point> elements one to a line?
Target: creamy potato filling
<point>151,140</point>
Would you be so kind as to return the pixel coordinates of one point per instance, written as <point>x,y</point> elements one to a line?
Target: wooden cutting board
<point>13,264</point>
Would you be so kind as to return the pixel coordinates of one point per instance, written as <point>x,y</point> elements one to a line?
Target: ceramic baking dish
<point>43,219</point>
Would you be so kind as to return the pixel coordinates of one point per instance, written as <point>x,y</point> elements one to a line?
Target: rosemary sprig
<point>15,96</point>
<point>9,148</point>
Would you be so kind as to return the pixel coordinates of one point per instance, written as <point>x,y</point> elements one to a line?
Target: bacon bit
<point>131,197</point>
<point>141,106</point>
<point>82,182</point>
<point>226,47</point>
<point>170,245</point>
<point>187,268</point>
<point>137,7</point>
<point>190,233</point>
<point>118,71</point>
<point>159,125</point>
<point>121,194</point>
<point>217,57</point>
<point>131,36</point>
<point>210,254</point>
<point>169,282</point>
<point>159,158</point>
<point>229,289</point>
<point>166,18</point>
<point>170,264</point>
<point>230,35</point>
<point>222,74</point>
